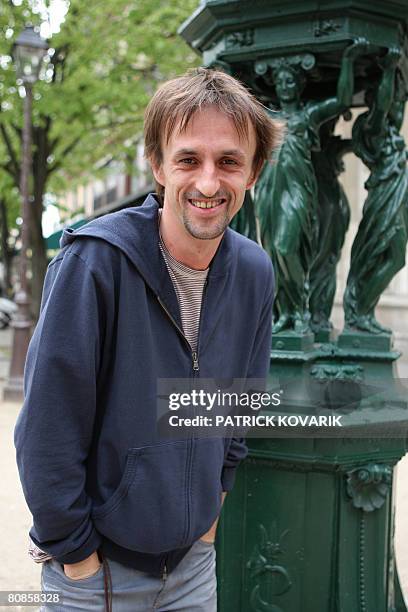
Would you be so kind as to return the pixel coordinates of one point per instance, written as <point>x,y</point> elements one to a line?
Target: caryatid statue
<point>286,195</point>
<point>333,220</point>
<point>378,251</point>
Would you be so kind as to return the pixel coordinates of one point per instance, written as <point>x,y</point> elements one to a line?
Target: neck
<point>290,107</point>
<point>192,252</point>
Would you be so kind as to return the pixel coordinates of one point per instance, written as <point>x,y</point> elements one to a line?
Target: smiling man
<point>165,290</point>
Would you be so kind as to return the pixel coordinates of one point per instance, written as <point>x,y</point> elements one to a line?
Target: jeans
<point>190,587</point>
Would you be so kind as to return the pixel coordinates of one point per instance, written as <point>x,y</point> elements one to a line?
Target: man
<point>165,290</point>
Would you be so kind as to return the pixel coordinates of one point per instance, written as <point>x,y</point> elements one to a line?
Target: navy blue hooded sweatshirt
<point>93,470</point>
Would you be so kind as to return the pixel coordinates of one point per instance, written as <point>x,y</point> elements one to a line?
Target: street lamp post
<point>28,53</point>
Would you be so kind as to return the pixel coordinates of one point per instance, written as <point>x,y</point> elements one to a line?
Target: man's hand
<point>209,537</point>
<point>83,569</point>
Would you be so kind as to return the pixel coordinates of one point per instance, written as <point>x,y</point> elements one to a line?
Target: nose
<point>207,182</point>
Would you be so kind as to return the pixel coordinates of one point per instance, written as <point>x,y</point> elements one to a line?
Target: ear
<point>158,173</point>
<point>256,171</point>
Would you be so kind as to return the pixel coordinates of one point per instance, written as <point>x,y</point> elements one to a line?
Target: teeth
<point>210,204</point>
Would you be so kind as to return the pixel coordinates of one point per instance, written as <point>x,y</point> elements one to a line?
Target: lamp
<point>29,51</point>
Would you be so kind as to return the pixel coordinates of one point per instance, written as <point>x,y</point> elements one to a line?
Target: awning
<point>52,242</point>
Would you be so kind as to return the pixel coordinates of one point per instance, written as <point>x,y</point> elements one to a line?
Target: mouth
<point>207,204</point>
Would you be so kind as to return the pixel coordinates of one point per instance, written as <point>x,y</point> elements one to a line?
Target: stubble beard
<point>215,229</point>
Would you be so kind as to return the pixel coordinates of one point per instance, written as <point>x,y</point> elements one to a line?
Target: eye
<point>229,162</point>
<point>187,160</point>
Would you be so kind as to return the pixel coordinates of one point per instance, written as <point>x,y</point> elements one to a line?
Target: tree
<point>106,61</point>
<point>9,212</point>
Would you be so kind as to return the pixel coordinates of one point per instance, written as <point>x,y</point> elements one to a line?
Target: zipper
<point>194,354</point>
<point>196,366</point>
<point>196,369</point>
<point>165,574</point>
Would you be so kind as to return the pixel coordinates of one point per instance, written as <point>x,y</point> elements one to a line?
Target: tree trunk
<point>38,255</point>
<point>39,260</point>
<point>5,251</point>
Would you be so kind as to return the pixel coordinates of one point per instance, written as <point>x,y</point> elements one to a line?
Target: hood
<point>135,232</point>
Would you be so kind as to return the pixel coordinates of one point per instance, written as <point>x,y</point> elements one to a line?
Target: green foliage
<point>11,196</point>
<point>108,59</point>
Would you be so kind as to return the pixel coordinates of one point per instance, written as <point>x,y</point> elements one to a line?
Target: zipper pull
<point>196,367</point>
<point>164,576</point>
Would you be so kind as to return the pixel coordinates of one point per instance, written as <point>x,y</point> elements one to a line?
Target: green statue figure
<point>286,195</point>
<point>333,221</point>
<point>245,221</point>
<point>378,251</point>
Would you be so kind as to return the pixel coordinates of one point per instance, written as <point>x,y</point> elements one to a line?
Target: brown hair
<point>179,99</point>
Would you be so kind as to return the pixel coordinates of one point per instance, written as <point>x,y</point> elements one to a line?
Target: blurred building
<point>99,195</point>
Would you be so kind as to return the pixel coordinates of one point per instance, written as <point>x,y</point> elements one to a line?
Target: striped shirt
<point>189,287</point>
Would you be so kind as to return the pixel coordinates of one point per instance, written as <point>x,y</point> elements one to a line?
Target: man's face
<point>205,171</point>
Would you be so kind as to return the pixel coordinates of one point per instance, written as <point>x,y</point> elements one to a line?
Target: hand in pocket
<point>83,569</point>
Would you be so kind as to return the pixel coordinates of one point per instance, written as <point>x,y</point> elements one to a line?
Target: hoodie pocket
<point>205,486</point>
<point>148,510</point>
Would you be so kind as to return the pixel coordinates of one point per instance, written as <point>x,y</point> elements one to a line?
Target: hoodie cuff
<point>228,478</point>
<point>92,543</point>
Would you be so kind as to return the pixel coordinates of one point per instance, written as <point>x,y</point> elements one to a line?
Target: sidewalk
<point>18,572</point>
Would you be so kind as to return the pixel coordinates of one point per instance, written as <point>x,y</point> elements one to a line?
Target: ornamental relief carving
<point>368,486</point>
<point>270,578</point>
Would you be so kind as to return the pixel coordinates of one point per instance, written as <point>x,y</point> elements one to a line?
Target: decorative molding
<point>326,27</point>
<point>369,485</point>
<point>289,465</point>
<point>306,61</point>
<point>348,372</point>
<point>245,38</point>
<point>265,571</point>
<point>361,564</point>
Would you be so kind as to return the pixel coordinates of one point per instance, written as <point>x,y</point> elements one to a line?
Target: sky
<point>53,16</point>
